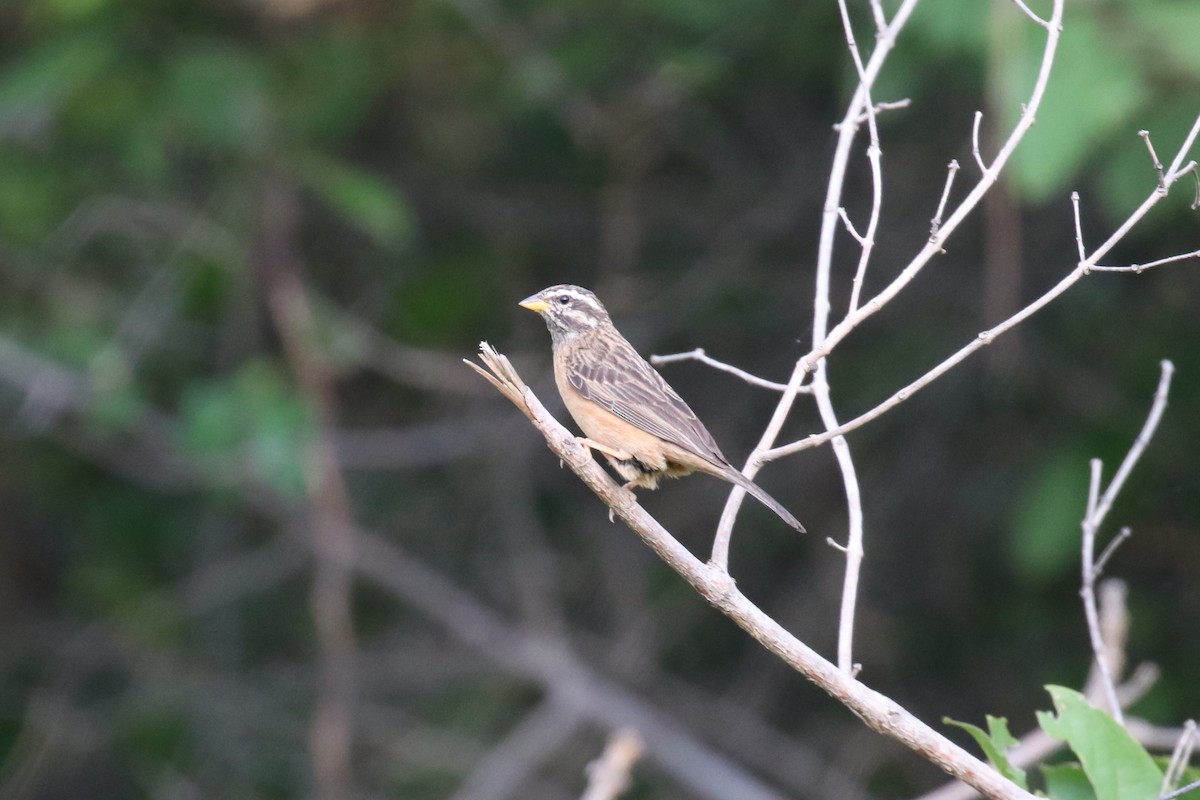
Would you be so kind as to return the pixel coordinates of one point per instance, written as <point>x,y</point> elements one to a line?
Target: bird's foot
<point>625,487</point>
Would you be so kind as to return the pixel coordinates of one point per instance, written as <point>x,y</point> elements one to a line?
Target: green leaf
<point>33,88</point>
<point>254,419</point>
<point>995,742</point>
<point>1094,89</point>
<point>365,200</point>
<point>1116,765</point>
<point>1169,28</point>
<point>1067,782</point>
<point>215,96</point>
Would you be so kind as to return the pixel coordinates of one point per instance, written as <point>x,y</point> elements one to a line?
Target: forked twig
<point>1181,756</point>
<point>1098,506</point>
<point>987,337</point>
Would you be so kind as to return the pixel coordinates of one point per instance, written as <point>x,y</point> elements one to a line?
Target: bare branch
<point>331,730</point>
<point>1103,657</point>
<point>1140,268</point>
<point>714,584</point>
<point>764,451</point>
<point>878,15</point>
<point>1097,508</point>
<point>699,355</point>
<point>826,342</point>
<point>608,776</point>
<point>765,454</point>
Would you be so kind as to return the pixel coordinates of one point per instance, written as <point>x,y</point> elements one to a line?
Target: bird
<point>625,408</point>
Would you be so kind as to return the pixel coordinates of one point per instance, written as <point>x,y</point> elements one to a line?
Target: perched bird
<point>624,407</point>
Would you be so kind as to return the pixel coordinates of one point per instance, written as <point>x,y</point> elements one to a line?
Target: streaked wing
<point>616,377</point>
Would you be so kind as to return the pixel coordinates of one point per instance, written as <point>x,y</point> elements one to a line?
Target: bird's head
<point>569,311</point>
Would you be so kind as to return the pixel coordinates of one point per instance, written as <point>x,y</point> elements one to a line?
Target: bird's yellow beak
<point>534,303</point>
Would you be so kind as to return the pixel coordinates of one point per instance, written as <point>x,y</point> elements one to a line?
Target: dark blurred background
<point>244,247</point>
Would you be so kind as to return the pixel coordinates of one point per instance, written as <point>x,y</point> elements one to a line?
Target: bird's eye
<point>564,299</point>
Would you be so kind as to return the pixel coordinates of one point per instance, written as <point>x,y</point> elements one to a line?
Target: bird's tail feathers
<point>761,496</point>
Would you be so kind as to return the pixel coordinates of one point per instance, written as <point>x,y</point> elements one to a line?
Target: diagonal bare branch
<point>718,588</point>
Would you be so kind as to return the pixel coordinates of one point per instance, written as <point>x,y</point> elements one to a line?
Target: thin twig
<point>1181,756</point>
<point>1098,506</point>
<point>975,142</point>
<point>1140,268</point>
<point>1111,548</point>
<point>858,237</point>
<point>877,109</point>
<point>1078,227</point>
<point>1176,167</point>
<point>936,223</point>
<point>1191,787</point>
<point>1104,670</point>
<point>1029,13</point>
<point>1158,166</point>
<point>699,355</point>
<point>874,155</point>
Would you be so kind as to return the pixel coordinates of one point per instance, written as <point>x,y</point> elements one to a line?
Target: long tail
<point>759,494</point>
